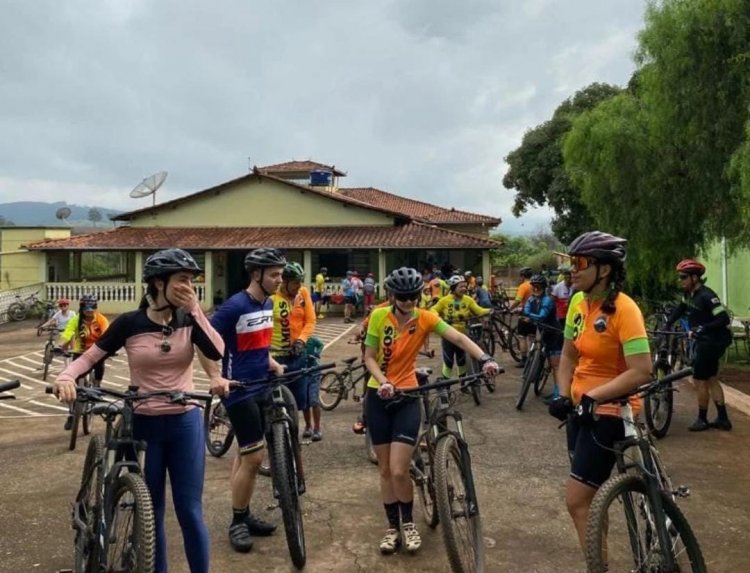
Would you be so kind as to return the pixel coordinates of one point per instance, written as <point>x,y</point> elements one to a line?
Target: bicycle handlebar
<point>132,395</point>
<point>445,383</point>
<point>9,385</point>
<point>290,376</point>
<point>651,386</point>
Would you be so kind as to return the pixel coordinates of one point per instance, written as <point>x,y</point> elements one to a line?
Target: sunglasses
<point>581,263</point>
<point>404,297</point>
<point>89,307</point>
<point>683,276</point>
<point>166,332</point>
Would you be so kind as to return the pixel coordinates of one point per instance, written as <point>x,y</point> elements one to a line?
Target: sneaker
<point>390,542</point>
<point>548,399</point>
<point>257,526</point>
<point>699,425</point>
<point>239,537</point>
<point>359,427</point>
<point>720,424</point>
<point>307,434</point>
<point>68,423</point>
<point>316,436</point>
<point>412,540</point>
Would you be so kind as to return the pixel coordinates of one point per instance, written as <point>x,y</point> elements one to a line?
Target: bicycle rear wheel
<point>285,481</point>
<point>422,475</point>
<point>621,531</point>
<point>459,513</point>
<point>219,432</point>
<point>16,312</point>
<point>488,340</point>
<point>130,527</point>
<point>514,345</point>
<point>530,373</point>
<point>87,418</point>
<point>472,367</point>
<point>47,359</point>
<point>88,507</point>
<point>76,412</point>
<point>659,407</point>
<point>331,390</point>
<point>541,380</point>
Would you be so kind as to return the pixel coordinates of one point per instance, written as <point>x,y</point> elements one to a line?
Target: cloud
<point>421,98</point>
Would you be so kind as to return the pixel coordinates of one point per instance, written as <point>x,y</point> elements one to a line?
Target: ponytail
<point>617,282</point>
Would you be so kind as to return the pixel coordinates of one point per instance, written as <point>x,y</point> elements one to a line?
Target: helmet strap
<point>260,283</point>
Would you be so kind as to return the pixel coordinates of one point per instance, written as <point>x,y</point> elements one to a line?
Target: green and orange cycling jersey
<point>293,319</point>
<point>84,338</point>
<point>602,342</point>
<point>397,348</point>
<point>456,311</point>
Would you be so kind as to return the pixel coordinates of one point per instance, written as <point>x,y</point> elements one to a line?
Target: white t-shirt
<point>61,320</point>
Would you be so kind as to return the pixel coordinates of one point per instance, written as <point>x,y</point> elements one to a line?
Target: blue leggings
<point>175,444</point>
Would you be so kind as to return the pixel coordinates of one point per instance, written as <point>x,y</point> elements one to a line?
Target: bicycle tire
<point>16,312</point>
<point>283,467</point>
<point>453,506</point>
<point>138,537</point>
<point>424,483</point>
<point>47,359</point>
<point>89,506</point>
<point>526,380</point>
<point>659,407</point>
<point>472,367</point>
<point>331,390</point>
<point>600,521</point>
<point>514,345</point>
<point>488,340</point>
<point>219,431</point>
<point>87,417</point>
<point>540,380</point>
<point>369,449</point>
<point>76,413</point>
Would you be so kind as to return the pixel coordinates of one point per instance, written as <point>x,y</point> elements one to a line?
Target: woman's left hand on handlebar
<point>65,390</point>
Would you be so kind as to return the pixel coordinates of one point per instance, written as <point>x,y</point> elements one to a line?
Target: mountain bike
<point>475,327</point>
<point>336,386</point>
<point>219,431</point>
<point>282,437</point>
<point>48,354</point>
<point>112,515</point>
<point>499,332</point>
<point>634,522</point>
<point>441,471</point>
<point>81,408</point>
<point>659,404</point>
<point>537,370</point>
<point>22,307</point>
<point>49,312</point>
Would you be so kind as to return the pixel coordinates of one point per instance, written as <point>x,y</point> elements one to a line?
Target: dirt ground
<point>519,461</point>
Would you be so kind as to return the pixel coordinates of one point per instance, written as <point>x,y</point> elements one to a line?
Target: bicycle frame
<point>351,381</point>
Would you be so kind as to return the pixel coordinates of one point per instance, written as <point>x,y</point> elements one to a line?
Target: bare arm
<point>568,363</point>
<point>219,384</point>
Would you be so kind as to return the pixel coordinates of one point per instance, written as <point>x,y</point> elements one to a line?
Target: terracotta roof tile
<point>413,208</point>
<point>408,236</point>
<point>300,167</point>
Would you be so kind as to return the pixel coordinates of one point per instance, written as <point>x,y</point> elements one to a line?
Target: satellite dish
<point>149,186</point>
<point>62,213</point>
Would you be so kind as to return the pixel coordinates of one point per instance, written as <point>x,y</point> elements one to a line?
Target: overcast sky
<point>423,98</point>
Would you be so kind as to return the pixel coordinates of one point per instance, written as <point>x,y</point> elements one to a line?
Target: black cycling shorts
<point>452,354</point>
<point>707,357</point>
<point>248,419</point>
<point>526,328</point>
<point>397,423</point>
<point>590,449</point>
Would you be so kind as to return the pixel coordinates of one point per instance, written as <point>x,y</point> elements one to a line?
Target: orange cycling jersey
<point>523,292</point>
<point>83,338</point>
<point>293,319</point>
<point>602,342</point>
<point>456,311</point>
<point>397,349</point>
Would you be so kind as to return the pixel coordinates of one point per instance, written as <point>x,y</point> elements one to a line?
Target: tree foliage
<point>95,215</point>
<point>520,251</point>
<point>537,173</point>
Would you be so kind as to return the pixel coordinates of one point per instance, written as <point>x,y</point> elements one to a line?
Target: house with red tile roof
<point>297,206</point>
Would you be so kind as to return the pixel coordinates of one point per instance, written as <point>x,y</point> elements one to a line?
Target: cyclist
<point>293,324</point>
<point>481,295</point>
<point>245,322</point>
<point>540,308</point>
<point>61,318</point>
<point>347,289</point>
<point>158,339</point>
<point>524,329</point>
<point>394,337</point>
<point>320,288</point>
<point>81,332</point>
<point>368,287</point>
<point>471,282</point>
<point>455,309</point>
<point>438,287</point>
<point>605,355</point>
<point>561,293</point>
<point>709,323</point>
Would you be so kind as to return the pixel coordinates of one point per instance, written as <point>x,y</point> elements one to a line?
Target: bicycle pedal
<point>682,491</point>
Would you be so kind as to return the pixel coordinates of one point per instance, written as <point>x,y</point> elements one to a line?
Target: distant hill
<point>31,213</point>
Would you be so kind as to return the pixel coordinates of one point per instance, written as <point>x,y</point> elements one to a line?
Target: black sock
<point>703,414</point>
<point>406,510</point>
<point>239,515</point>
<point>721,409</point>
<point>391,512</point>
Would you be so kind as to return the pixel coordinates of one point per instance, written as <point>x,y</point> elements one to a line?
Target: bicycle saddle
<point>351,360</point>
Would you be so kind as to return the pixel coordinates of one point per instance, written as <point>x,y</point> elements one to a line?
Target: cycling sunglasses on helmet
<point>407,296</point>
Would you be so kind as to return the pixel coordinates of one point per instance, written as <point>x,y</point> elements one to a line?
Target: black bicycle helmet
<point>264,257</point>
<point>538,280</point>
<point>169,261</point>
<point>601,246</point>
<point>293,272</point>
<point>404,281</point>
<point>88,300</point>
<point>526,272</point>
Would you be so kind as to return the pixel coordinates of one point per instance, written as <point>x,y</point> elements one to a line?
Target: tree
<point>95,215</point>
<point>519,251</point>
<point>537,173</point>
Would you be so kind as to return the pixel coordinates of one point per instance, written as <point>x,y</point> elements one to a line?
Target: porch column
<point>77,269</point>
<point>307,265</point>
<point>381,271</point>
<point>486,267</point>
<point>138,276</point>
<point>208,281</point>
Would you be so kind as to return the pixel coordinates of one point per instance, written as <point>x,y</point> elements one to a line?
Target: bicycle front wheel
<point>514,345</point>
<point>331,390</point>
<point>130,527</point>
<point>422,476</point>
<point>472,367</point>
<point>621,532</point>
<point>458,511</point>
<point>88,507</point>
<point>17,312</point>
<point>76,412</point>
<point>286,483</point>
<point>659,408</point>
<point>530,373</point>
<point>219,433</point>
<point>47,359</point>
